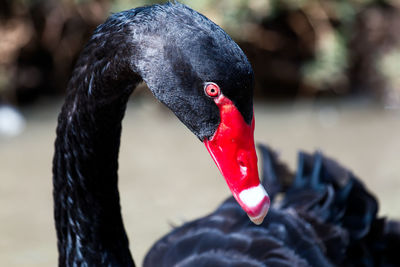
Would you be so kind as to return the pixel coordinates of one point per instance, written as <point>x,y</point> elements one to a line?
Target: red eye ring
<point>212,89</point>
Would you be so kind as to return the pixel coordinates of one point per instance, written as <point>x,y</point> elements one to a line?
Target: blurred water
<point>162,164</point>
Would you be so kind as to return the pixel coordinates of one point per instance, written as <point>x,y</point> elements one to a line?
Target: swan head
<point>192,66</point>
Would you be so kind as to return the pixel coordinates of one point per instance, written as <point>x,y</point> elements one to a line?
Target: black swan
<point>193,67</point>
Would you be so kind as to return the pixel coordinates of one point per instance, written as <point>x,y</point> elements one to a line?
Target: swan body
<point>325,217</point>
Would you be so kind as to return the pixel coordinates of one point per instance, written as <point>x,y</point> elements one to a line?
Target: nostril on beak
<point>241,163</point>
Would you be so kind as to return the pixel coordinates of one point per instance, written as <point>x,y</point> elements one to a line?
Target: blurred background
<point>327,77</point>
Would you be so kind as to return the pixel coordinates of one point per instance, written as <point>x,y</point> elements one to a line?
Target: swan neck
<point>86,198</point>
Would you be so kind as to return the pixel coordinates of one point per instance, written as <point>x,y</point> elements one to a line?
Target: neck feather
<point>87,210</point>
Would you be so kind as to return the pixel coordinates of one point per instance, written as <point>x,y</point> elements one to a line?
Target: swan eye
<point>212,89</point>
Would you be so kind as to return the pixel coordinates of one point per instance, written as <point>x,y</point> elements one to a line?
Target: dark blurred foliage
<point>39,42</point>
<point>325,48</point>
<point>298,48</point>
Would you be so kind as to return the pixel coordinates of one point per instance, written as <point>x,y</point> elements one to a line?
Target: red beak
<point>232,149</point>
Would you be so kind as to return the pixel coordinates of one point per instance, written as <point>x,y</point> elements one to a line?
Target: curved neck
<point>87,210</point>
